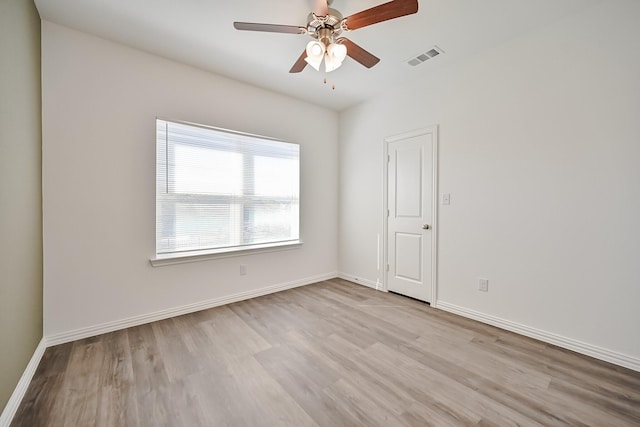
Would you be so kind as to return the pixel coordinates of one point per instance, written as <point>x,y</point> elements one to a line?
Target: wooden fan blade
<point>320,7</point>
<point>383,12</point>
<point>270,28</point>
<point>300,63</point>
<point>359,54</point>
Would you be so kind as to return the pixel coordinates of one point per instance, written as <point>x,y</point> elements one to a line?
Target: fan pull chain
<point>333,85</point>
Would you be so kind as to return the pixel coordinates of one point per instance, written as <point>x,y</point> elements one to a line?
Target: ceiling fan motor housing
<point>325,36</point>
<point>325,28</point>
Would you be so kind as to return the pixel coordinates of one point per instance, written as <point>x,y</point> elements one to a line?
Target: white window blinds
<point>219,189</point>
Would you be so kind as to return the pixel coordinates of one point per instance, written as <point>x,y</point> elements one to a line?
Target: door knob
<point>425,227</point>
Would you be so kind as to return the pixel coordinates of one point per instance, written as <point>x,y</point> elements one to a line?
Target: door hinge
<point>388,213</point>
<point>387,267</point>
<point>388,158</point>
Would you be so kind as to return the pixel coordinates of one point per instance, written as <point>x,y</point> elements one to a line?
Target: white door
<point>410,216</point>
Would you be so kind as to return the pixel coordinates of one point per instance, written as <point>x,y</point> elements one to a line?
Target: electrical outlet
<point>483,285</point>
<point>243,270</point>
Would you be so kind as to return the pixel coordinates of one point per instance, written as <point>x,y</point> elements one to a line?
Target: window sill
<point>195,256</point>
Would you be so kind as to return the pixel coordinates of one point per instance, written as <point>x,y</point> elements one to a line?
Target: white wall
<point>100,101</point>
<point>540,150</point>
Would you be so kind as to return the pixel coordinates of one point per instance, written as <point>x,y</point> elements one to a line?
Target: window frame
<point>191,255</point>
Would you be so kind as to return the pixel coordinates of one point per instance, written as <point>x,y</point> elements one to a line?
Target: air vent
<point>423,57</point>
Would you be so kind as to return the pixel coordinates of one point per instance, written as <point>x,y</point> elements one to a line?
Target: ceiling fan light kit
<point>325,48</point>
<point>325,25</point>
<point>325,29</point>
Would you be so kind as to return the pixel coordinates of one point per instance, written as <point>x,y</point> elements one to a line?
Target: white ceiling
<point>200,33</point>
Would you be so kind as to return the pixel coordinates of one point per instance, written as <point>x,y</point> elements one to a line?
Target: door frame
<point>433,130</point>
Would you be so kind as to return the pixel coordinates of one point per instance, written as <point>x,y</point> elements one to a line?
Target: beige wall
<point>20,191</point>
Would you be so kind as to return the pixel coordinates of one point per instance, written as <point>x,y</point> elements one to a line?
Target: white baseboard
<point>21,388</point>
<point>91,331</point>
<point>548,337</point>
<point>359,280</point>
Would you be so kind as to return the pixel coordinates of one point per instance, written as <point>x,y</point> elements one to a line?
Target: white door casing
<point>410,214</point>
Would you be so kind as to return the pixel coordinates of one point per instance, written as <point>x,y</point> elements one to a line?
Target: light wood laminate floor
<point>329,354</point>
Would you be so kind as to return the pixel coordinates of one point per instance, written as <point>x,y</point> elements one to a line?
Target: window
<point>219,191</point>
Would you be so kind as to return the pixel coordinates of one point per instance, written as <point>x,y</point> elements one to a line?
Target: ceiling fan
<point>325,26</point>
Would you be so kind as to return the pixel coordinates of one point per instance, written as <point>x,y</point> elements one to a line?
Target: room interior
<point>536,108</point>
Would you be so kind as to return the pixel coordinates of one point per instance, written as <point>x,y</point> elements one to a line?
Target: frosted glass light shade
<point>315,53</point>
<point>334,56</point>
<point>330,63</point>
<point>337,51</point>
<point>315,49</point>
<point>314,62</point>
